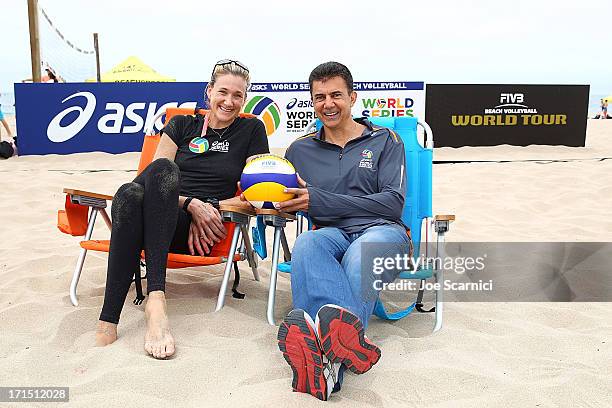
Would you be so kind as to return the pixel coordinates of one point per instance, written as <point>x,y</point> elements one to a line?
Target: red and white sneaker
<point>313,373</point>
<point>343,341</point>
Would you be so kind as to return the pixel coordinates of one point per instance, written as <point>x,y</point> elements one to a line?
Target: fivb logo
<point>111,122</point>
<point>511,99</point>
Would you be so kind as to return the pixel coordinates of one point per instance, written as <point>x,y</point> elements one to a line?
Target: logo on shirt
<point>198,145</point>
<point>366,159</point>
<point>220,146</point>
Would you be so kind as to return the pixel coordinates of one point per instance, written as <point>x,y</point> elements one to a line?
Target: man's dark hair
<point>329,70</point>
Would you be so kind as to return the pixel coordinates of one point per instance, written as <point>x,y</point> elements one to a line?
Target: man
<point>354,194</point>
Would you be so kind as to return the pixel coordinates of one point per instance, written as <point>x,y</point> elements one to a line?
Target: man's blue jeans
<point>326,268</point>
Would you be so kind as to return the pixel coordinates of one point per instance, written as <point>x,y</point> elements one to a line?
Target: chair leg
<point>439,301</point>
<point>299,226</point>
<point>286,250</point>
<point>273,274</point>
<point>81,260</point>
<point>249,251</point>
<point>228,270</point>
<point>439,279</point>
<point>107,219</point>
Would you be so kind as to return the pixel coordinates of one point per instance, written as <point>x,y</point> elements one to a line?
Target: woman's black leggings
<point>145,215</point>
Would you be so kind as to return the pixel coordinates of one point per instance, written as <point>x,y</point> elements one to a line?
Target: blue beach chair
<point>417,212</point>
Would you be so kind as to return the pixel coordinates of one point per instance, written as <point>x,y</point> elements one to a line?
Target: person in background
<point>6,126</point>
<point>50,77</point>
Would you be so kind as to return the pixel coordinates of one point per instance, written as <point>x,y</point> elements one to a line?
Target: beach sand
<point>487,354</point>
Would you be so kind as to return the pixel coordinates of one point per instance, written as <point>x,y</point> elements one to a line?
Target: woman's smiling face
<point>226,98</point>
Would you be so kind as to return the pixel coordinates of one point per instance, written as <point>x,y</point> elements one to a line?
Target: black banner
<point>521,115</point>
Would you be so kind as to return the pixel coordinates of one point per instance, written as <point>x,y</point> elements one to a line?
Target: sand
<point>493,354</point>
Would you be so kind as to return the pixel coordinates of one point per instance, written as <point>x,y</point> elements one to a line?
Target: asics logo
<point>58,133</point>
<point>111,117</point>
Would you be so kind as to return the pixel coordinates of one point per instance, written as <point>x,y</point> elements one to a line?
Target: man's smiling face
<point>332,101</point>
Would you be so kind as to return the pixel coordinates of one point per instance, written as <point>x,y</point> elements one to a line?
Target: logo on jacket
<point>366,161</point>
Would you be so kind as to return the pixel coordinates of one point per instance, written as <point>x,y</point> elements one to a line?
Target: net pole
<point>97,50</point>
<point>34,39</point>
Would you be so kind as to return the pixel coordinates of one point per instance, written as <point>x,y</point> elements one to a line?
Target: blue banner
<point>111,117</point>
<point>86,117</point>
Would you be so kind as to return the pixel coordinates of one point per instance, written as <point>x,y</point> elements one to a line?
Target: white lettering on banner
<point>134,117</point>
<point>112,121</point>
<point>512,103</point>
<point>382,85</point>
<point>115,118</point>
<point>285,87</point>
<point>58,133</point>
<point>511,98</point>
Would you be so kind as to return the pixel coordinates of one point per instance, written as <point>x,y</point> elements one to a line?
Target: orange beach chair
<point>82,207</point>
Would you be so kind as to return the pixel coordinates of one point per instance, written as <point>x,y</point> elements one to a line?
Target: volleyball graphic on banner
<point>267,110</point>
<point>265,178</point>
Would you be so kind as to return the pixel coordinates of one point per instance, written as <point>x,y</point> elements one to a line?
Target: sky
<point>476,41</point>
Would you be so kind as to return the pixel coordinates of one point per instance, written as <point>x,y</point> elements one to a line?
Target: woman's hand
<point>206,226</point>
<point>241,196</point>
<point>238,201</point>
<point>197,246</point>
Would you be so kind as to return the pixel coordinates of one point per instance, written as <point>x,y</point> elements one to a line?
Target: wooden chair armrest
<point>265,211</point>
<point>445,217</point>
<point>236,209</point>
<point>83,193</point>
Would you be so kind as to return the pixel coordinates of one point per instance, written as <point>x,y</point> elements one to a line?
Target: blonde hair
<point>230,68</point>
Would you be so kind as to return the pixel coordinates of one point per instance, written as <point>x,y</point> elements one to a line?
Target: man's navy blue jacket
<point>355,187</point>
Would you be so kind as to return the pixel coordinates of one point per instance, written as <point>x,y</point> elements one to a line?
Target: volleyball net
<point>69,61</point>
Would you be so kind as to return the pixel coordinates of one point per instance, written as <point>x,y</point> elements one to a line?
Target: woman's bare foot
<point>106,333</point>
<point>158,341</point>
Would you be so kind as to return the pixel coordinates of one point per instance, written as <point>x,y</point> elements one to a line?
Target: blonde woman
<point>173,204</point>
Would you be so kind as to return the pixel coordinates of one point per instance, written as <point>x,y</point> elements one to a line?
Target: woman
<point>172,204</point>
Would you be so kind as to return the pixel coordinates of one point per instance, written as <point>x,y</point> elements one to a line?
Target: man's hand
<point>206,227</point>
<point>301,200</point>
